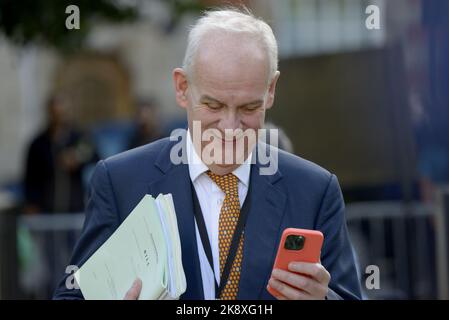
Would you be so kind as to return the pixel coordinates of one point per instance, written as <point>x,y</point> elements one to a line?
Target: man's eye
<point>213,106</point>
<point>251,108</point>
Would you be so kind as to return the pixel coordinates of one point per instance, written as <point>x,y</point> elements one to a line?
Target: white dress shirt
<point>211,197</point>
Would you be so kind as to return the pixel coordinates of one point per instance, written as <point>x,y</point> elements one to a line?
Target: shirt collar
<point>197,167</point>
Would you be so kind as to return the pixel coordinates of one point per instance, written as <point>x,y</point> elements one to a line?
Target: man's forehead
<point>224,51</point>
<point>230,77</point>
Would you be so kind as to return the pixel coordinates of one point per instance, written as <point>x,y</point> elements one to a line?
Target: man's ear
<point>272,90</point>
<point>181,85</point>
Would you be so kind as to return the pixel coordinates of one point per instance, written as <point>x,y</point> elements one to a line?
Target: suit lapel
<point>262,232</point>
<point>176,180</point>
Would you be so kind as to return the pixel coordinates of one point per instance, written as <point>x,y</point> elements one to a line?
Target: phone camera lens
<point>294,242</point>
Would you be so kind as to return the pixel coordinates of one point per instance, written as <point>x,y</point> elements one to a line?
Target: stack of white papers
<point>146,246</point>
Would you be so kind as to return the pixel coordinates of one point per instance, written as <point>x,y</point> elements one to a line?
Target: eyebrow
<point>209,98</point>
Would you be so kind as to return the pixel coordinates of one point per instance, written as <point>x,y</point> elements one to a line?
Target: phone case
<point>309,253</point>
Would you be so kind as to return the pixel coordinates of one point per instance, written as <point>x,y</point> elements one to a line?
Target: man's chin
<point>226,165</point>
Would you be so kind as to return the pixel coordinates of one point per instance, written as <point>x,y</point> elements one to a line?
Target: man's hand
<point>311,284</point>
<point>134,292</point>
<point>69,160</point>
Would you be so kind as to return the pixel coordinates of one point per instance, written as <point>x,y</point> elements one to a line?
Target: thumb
<point>134,292</point>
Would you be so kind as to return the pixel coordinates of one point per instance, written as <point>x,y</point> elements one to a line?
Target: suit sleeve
<point>337,254</point>
<point>101,221</point>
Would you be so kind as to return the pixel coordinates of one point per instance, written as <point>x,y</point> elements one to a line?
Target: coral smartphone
<point>297,245</point>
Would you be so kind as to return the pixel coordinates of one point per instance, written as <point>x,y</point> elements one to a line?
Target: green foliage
<point>43,22</point>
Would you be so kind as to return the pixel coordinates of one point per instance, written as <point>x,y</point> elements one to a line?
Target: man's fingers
<point>287,291</point>
<point>279,297</point>
<point>314,270</point>
<point>307,284</point>
<point>134,292</point>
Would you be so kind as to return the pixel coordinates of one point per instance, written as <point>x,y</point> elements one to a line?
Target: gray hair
<point>235,21</point>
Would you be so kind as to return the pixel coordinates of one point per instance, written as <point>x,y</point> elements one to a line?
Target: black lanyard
<point>234,243</point>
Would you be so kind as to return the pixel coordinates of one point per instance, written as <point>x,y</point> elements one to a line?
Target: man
<point>227,82</point>
<point>55,163</point>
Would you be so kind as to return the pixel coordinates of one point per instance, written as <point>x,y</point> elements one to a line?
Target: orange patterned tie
<point>229,215</point>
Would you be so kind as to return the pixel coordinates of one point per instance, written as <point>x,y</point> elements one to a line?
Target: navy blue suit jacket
<point>299,195</point>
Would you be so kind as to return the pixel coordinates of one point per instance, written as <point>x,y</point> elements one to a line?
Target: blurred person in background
<point>146,123</point>
<point>54,164</point>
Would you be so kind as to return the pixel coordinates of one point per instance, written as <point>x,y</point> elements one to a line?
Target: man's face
<point>230,88</point>
<point>58,113</point>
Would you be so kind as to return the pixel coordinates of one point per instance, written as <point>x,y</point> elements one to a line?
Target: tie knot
<point>228,183</point>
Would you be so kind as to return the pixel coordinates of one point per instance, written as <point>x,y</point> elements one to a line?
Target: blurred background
<point>370,105</point>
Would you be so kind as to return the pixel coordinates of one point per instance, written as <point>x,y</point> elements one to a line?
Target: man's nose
<point>230,120</point>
